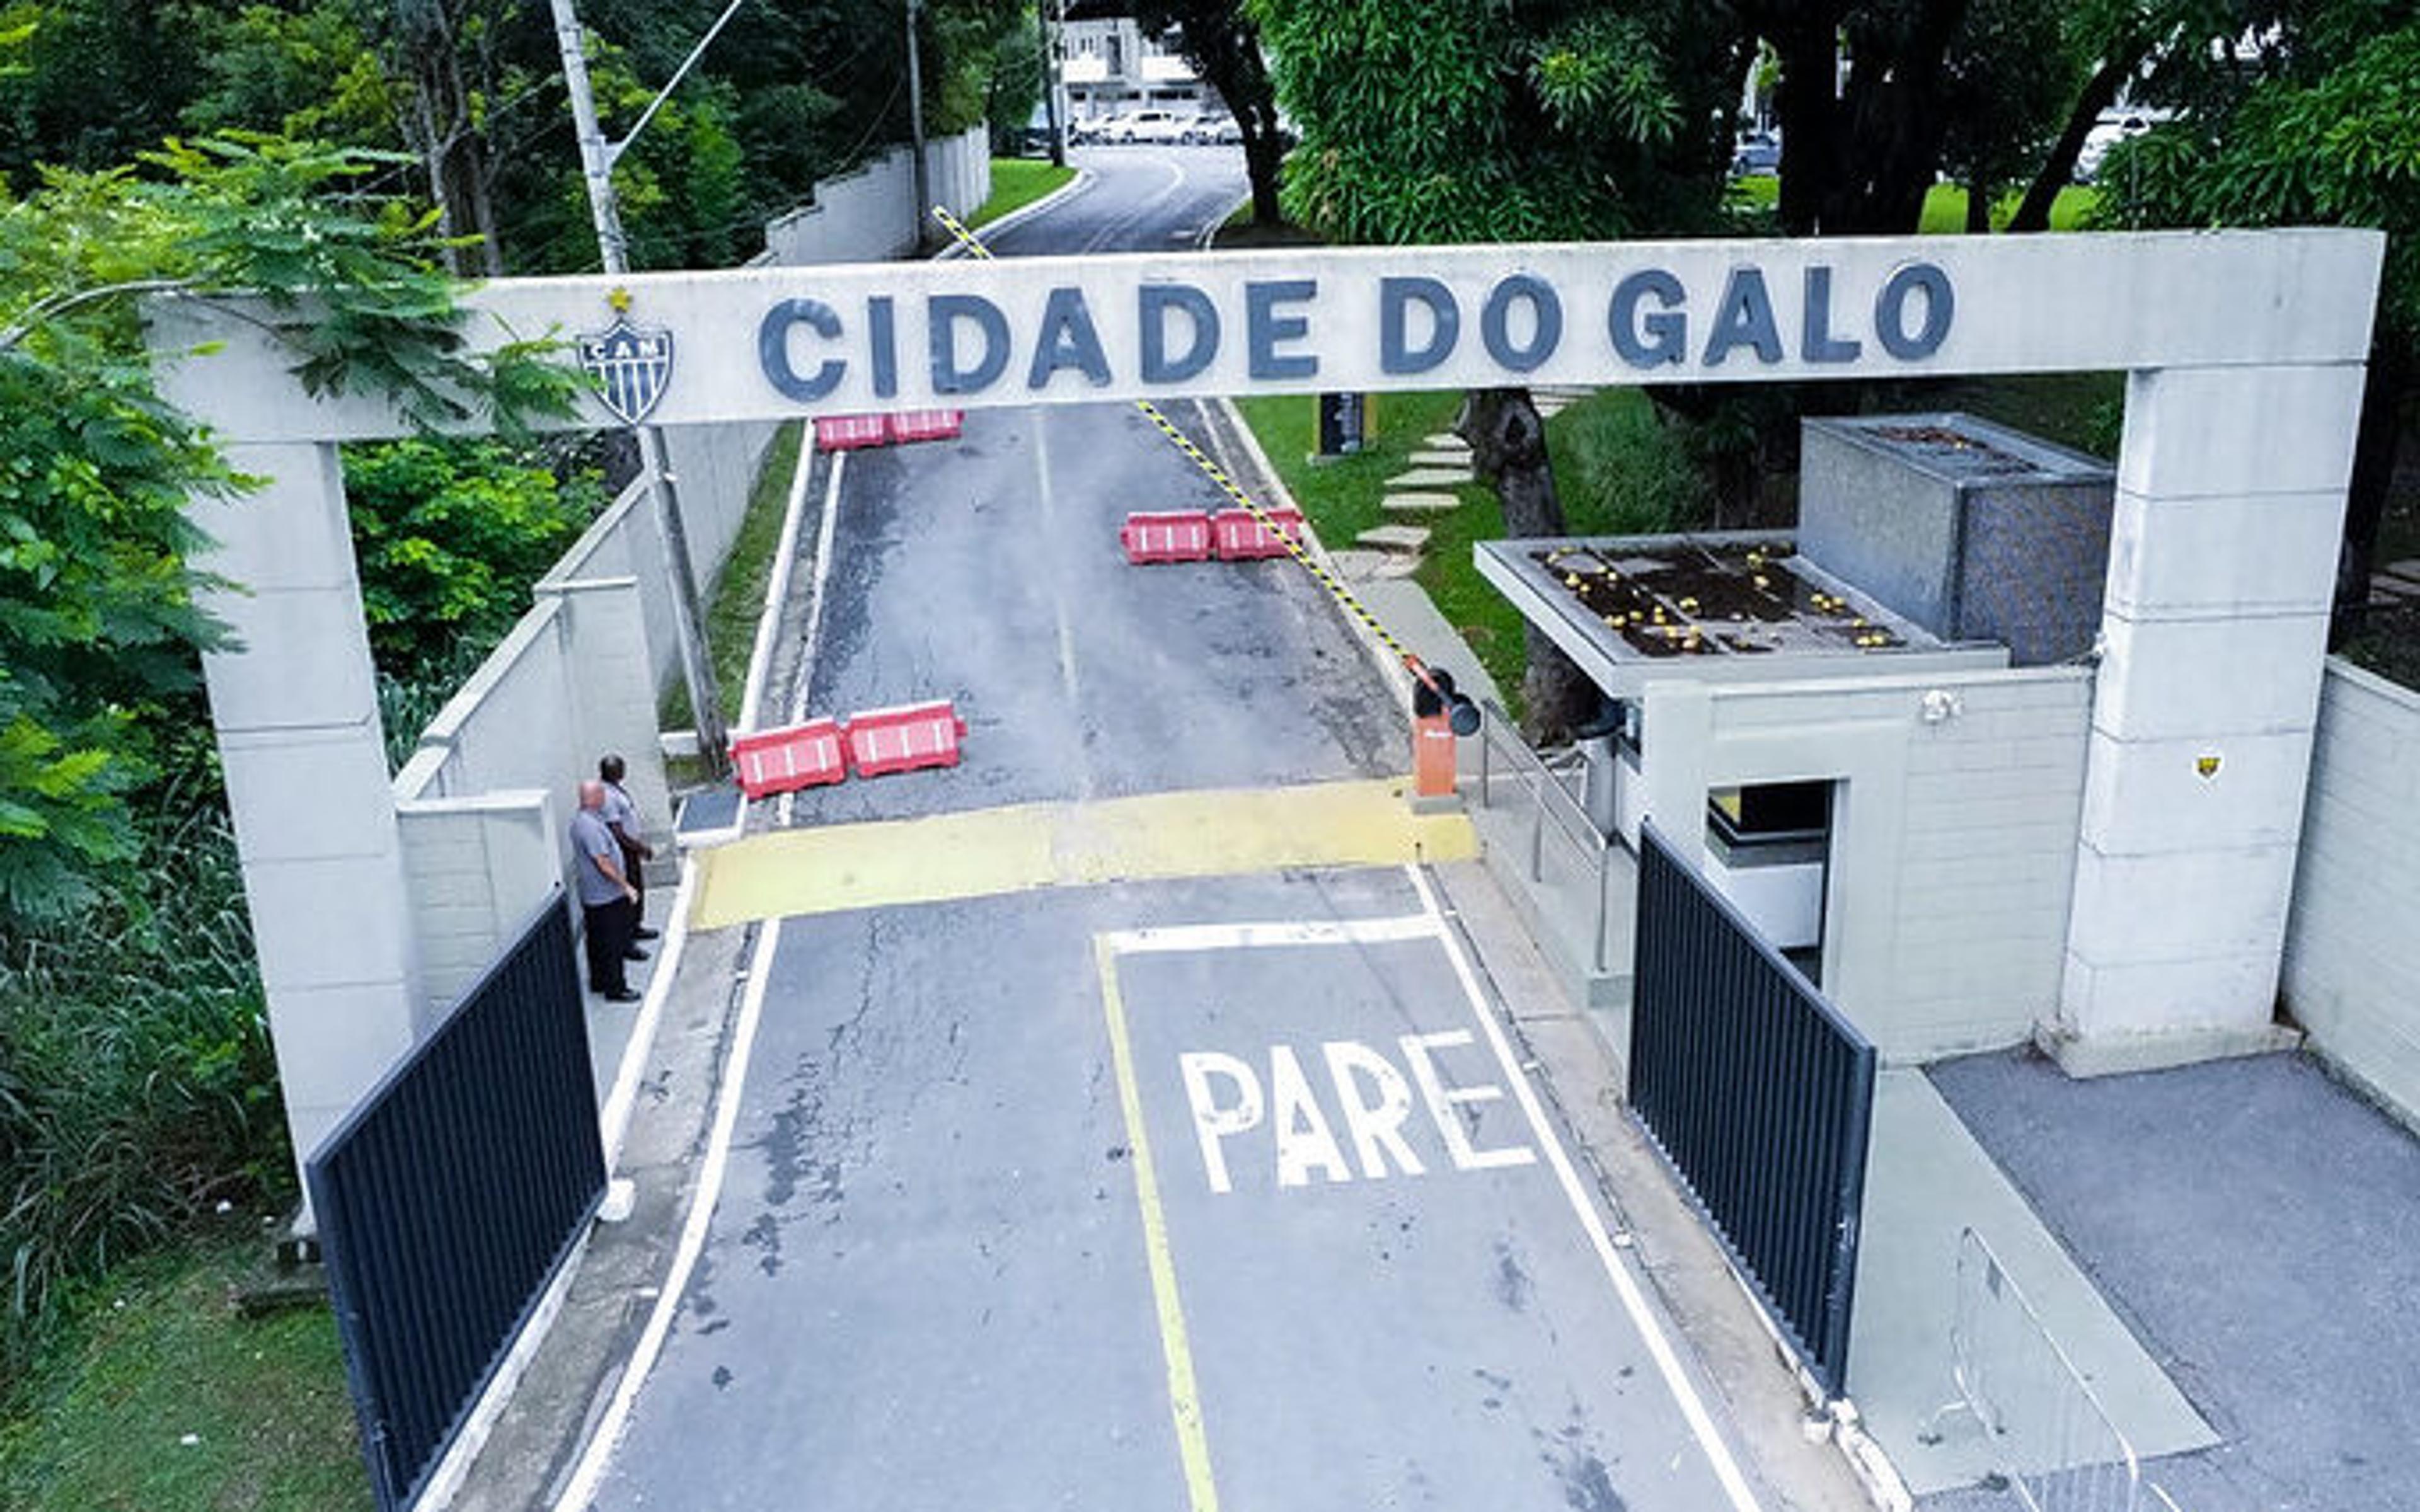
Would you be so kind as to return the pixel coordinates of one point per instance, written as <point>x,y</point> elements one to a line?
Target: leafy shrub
<point>1620,471</point>
<point>450,535</point>
<point>136,1081</point>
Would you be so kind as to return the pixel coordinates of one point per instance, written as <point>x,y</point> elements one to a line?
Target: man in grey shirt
<point>607,902</point>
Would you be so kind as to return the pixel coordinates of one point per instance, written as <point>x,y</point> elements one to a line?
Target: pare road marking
<point>1374,1097</point>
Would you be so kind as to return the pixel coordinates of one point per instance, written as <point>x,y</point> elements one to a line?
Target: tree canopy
<point>97,624</point>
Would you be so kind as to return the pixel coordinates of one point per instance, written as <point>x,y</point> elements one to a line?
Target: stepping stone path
<point>1428,478</point>
<point>1441,460</point>
<point>1409,539</point>
<point>1421,504</point>
<point>1445,441</point>
<point>1555,400</point>
<point>1367,566</point>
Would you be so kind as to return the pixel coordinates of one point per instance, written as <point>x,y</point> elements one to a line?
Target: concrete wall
<point>484,803</point>
<point>476,867</point>
<point>1953,849</point>
<point>872,215</point>
<point>2350,975</point>
<point>715,467</point>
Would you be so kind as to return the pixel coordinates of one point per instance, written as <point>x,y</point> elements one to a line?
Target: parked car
<point>1214,127</point>
<point>1759,152</point>
<point>1147,126</point>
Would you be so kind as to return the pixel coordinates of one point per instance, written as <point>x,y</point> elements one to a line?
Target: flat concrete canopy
<point>1714,608</point>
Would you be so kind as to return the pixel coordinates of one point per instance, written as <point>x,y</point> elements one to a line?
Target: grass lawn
<point>739,592</point>
<point>1945,205</point>
<point>1017,182</point>
<point>1616,469</point>
<point>159,1396</point>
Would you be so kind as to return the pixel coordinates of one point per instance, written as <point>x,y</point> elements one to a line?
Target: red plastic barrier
<point>1175,535</point>
<point>927,424</point>
<point>1241,537</point>
<point>847,433</point>
<point>905,739</point>
<point>782,760</point>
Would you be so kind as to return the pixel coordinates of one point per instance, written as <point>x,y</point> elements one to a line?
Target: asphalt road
<point>989,571</point>
<point>1029,1205</point>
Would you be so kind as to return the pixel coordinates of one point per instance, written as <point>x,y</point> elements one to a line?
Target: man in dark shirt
<point>607,902</point>
<point>622,817</point>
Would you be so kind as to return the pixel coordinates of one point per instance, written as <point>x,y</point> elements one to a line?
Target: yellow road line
<point>1215,832</point>
<point>1184,1396</point>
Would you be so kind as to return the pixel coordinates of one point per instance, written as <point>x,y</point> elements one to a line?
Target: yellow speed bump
<point>986,851</point>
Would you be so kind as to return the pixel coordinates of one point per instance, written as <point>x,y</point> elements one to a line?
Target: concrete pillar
<point>2222,566</point>
<point>296,711</point>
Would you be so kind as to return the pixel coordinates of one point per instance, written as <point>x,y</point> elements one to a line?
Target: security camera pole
<point>597,159</point>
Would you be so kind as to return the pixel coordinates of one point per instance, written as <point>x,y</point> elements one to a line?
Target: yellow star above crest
<point>620,301</point>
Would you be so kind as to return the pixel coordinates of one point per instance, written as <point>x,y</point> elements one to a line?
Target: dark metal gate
<point>449,1198</point>
<point>1760,1094</point>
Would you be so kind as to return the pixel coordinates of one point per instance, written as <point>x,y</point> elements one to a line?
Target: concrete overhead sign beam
<point>774,343</point>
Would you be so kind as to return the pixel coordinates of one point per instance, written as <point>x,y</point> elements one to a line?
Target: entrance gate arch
<point>2245,354</point>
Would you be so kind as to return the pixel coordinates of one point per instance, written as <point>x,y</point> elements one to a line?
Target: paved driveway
<point>1200,1192</point>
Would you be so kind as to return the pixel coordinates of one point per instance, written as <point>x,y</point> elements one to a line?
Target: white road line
<point>581,1489</point>
<point>1262,936</point>
<point>598,1452</point>
<point>803,683</point>
<point>1634,1299</point>
<point>777,583</point>
<point>1120,225</point>
<point>1048,499</point>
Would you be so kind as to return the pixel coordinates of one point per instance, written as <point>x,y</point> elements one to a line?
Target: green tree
<point>96,81</point>
<point>2320,126</point>
<point>1220,41</point>
<point>1437,120</point>
<point>2011,78</point>
<point>449,535</point>
<point>98,625</point>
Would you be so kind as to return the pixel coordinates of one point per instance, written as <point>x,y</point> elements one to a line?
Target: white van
<point>1148,126</point>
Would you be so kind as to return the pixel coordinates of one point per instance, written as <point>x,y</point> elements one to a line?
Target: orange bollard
<point>1435,704</point>
<point>1433,756</point>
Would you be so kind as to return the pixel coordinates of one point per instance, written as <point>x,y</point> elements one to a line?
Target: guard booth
<point>1835,804</point>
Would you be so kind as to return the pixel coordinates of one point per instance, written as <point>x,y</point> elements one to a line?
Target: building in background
<point>1112,67</point>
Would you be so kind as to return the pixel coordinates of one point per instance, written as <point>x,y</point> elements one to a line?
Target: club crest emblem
<point>631,364</point>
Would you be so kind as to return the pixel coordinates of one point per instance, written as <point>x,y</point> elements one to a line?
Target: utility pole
<point>596,158</point>
<point>916,127</point>
<point>1044,17</point>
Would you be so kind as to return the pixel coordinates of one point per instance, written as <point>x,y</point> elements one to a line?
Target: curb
<point>1084,180</point>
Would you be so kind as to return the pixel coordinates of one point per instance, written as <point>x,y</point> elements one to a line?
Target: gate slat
<point>449,1198</point>
<point>1759,1094</point>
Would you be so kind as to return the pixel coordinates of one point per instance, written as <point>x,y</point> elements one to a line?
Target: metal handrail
<point>1549,799</point>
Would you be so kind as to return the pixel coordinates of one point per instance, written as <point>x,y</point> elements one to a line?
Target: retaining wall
<point>2350,976</point>
<point>871,215</point>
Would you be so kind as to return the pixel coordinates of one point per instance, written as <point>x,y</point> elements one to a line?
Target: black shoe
<point>643,932</point>
<point>634,953</point>
<point>624,996</point>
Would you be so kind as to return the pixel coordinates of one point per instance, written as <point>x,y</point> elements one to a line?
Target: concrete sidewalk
<point>2259,1225</point>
